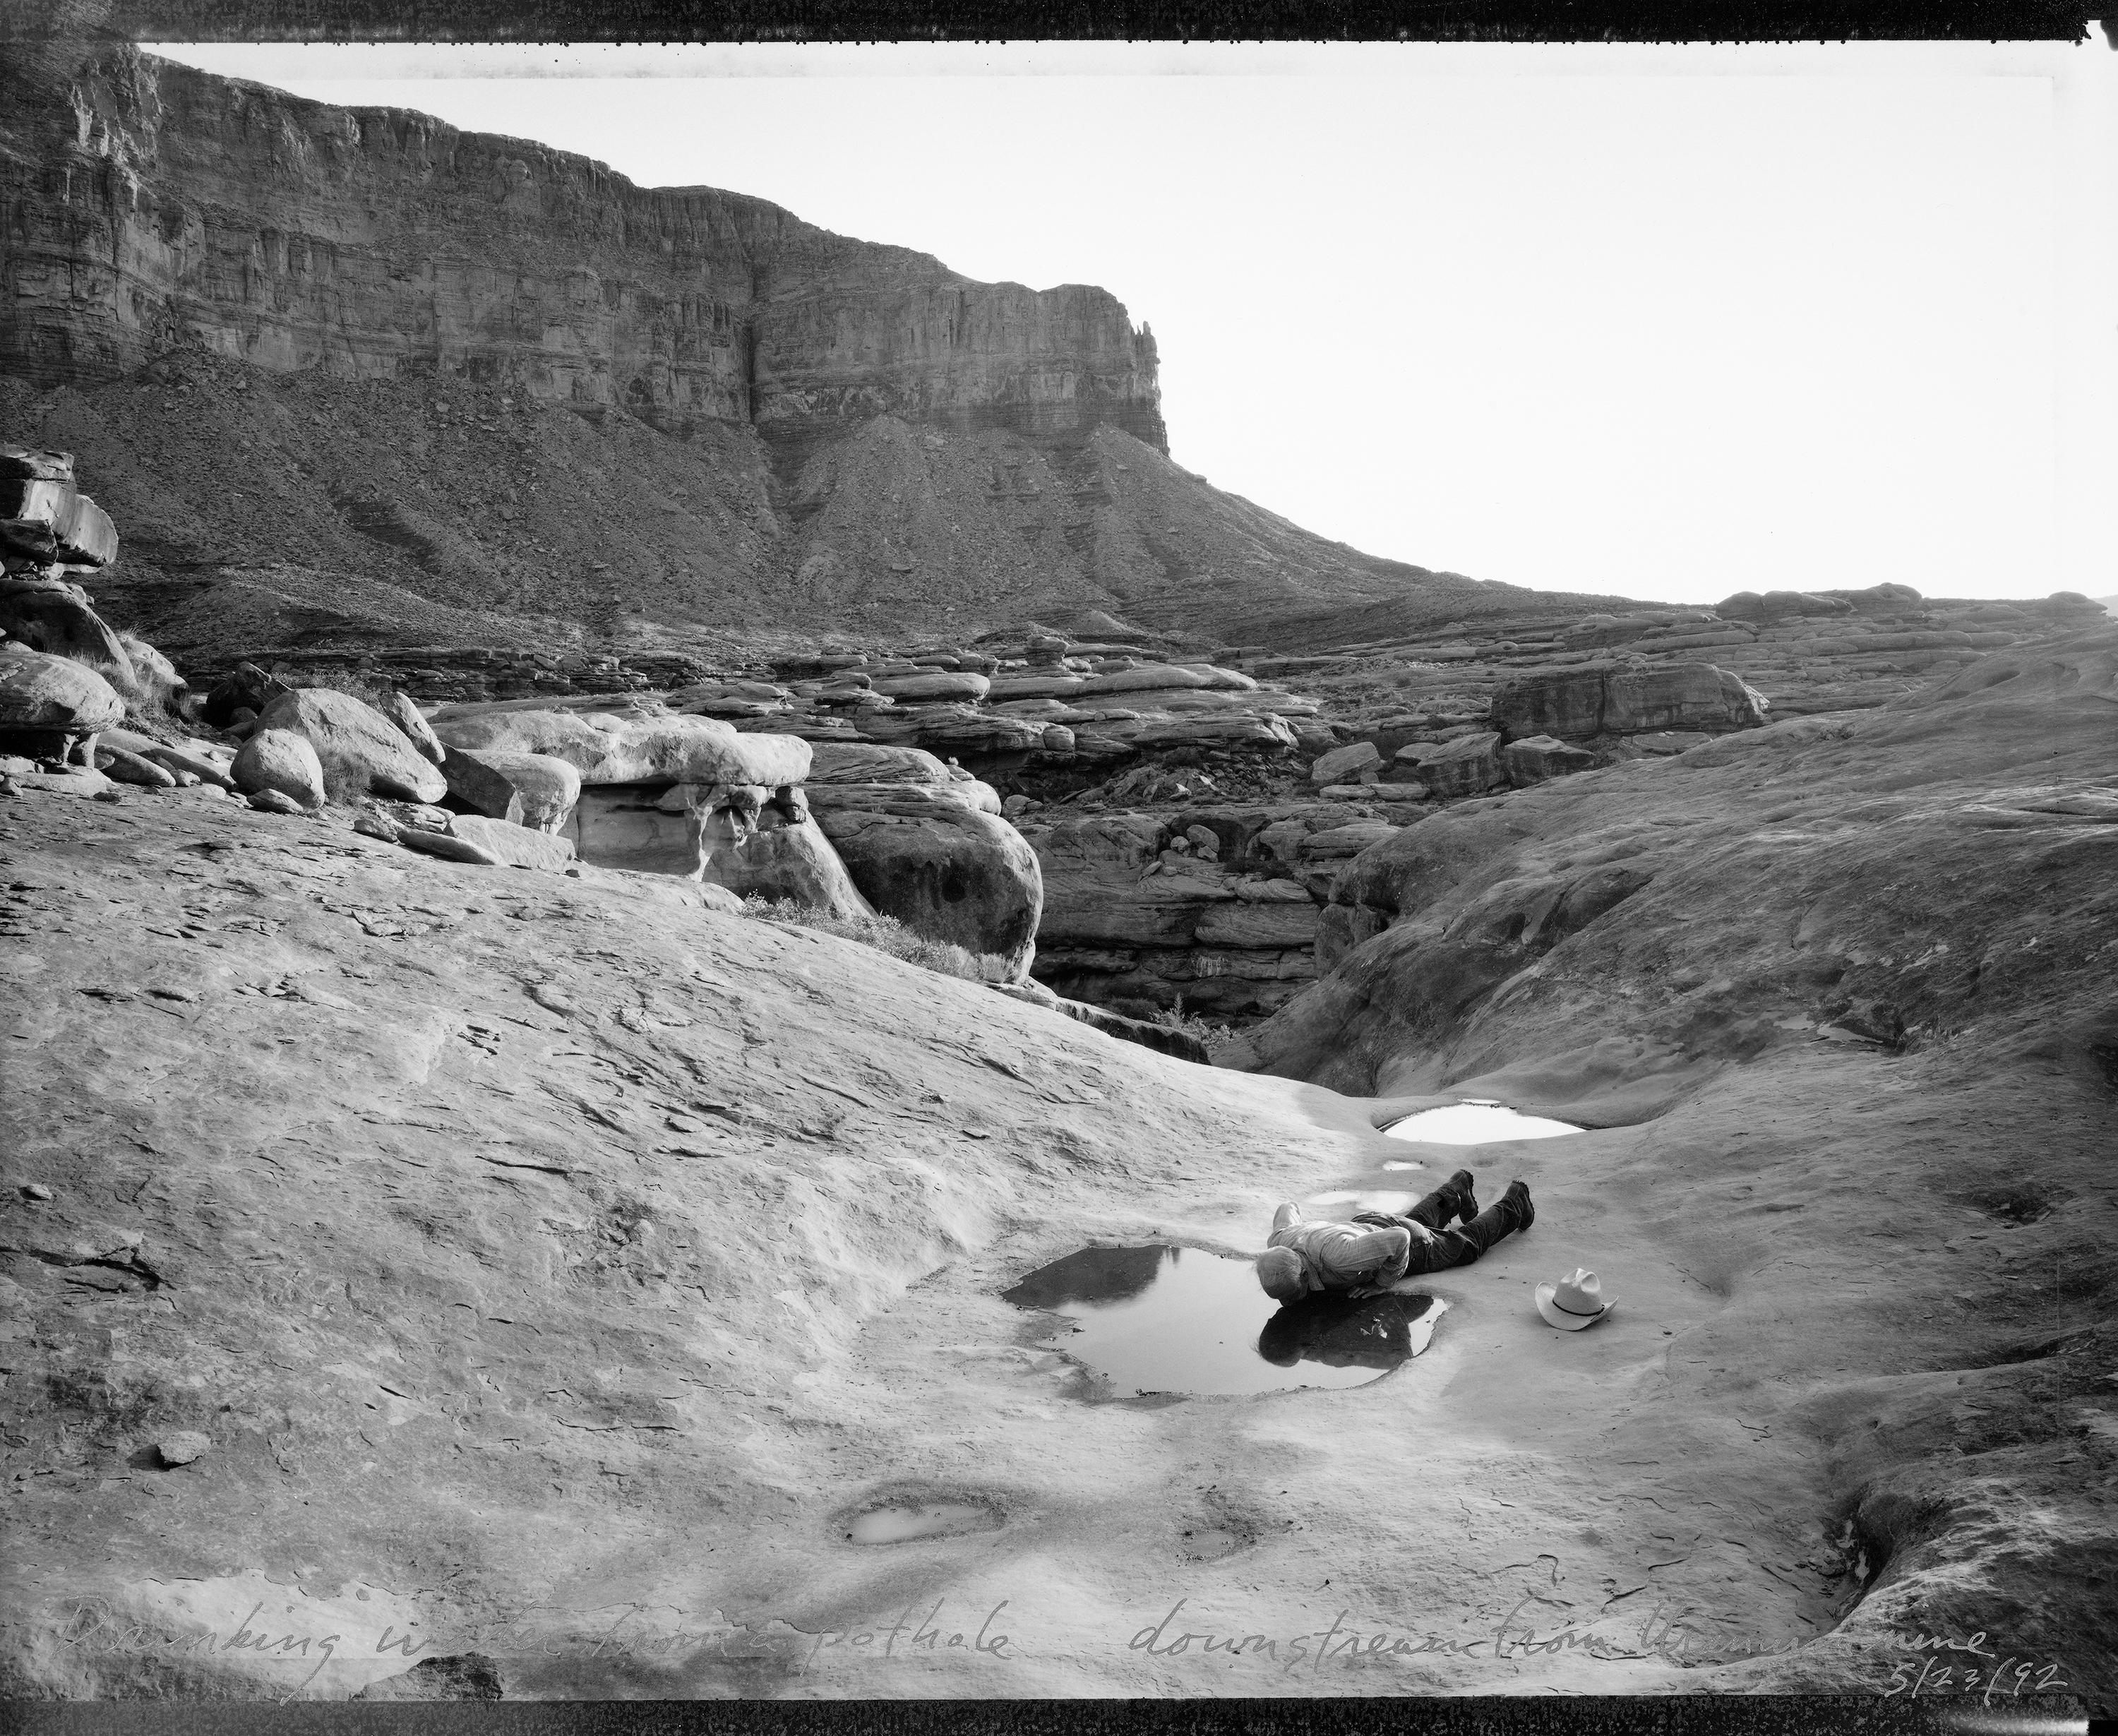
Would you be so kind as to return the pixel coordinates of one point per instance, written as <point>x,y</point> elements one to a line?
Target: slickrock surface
<point>1841,989</point>
<point>549,1260</point>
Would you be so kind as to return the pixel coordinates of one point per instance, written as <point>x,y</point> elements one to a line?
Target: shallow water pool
<point>1476,1123</point>
<point>1158,1318</point>
<point>904,1521</point>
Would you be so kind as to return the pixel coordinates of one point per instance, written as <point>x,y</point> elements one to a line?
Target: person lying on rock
<point>1368,1255</point>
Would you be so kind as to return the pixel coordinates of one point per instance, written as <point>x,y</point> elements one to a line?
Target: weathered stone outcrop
<point>283,762</point>
<point>134,178</point>
<point>532,789</point>
<point>1581,705</point>
<point>362,750</point>
<point>939,864</point>
<point>52,706</point>
<point>51,615</point>
<point>606,749</point>
<point>1213,909</point>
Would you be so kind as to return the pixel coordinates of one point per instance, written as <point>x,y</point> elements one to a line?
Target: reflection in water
<point>1377,1332</point>
<point>1095,1274</point>
<point>1166,1319</point>
<point>1475,1124</point>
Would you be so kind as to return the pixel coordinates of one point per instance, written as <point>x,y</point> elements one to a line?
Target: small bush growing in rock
<point>885,934</point>
<point>1175,1018</point>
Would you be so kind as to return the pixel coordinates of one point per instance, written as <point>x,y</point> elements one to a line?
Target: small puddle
<point>903,1522</point>
<point>1161,1319</point>
<point>1475,1124</point>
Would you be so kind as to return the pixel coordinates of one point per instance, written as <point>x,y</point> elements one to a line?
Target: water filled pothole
<point>1161,1319</point>
<point>902,1521</point>
<point>1476,1123</point>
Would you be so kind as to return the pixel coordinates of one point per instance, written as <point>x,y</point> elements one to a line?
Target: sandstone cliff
<point>150,201</point>
<point>280,331</point>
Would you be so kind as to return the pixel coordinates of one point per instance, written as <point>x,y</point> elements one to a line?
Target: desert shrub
<point>885,934</point>
<point>1176,1018</point>
<point>146,697</point>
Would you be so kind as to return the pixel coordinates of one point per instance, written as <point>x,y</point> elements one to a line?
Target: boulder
<point>1058,738</point>
<point>245,687</point>
<point>32,512</point>
<point>1779,605</point>
<point>1375,793</point>
<point>182,1447</point>
<point>951,730</point>
<point>275,802</point>
<point>407,716</point>
<point>282,761</point>
<point>1343,765</point>
<point>128,767</point>
<point>517,846</point>
<point>194,759</point>
<point>33,463</point>
<point>776,858</point>
<point>1340,843</point>
<point>1150,675</point>
<point>941,685</point>
<point>1579,703</point>
<point>1161,733</point>
<point>1538,759</point>
<point>864,762</point>
<point>950,873</point>
<point>49,616</point>
<point>447,846</point>
<point>1888,599</point>
<point>52,707</point>
<point>1035,687</point>
<point>1462,767</point>
<point>363,753</point>
<point>531,789</point>
<point>608,749</point>
<point>88,538</point>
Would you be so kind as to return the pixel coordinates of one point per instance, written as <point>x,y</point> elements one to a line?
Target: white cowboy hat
<point>1574,1302</point>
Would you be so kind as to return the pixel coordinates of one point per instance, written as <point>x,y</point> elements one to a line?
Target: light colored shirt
<point>1341,1256</point>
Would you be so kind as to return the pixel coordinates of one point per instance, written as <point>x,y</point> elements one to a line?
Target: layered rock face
<point>313,355</point>
<point>149,201</point>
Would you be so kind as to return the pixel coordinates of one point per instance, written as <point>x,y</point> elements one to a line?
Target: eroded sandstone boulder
<point>778,854</point>
<point>362,752</point>
<point>52,707</point>
<point>246,687</point>
<point>517,846</point>
<point>408,717</point>
<point>945,869</point>
<point>1538,758</point>
<point>868,762</point>
<point>282,761</point>
<point>1344,765</point>
<point>532,789</point>
<point>643,749</point>
<point>1462,767</point>
<point>50,615</point>
<point>1581,704</point>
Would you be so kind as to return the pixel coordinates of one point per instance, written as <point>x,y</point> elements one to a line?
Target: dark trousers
<point>1457,1246</point>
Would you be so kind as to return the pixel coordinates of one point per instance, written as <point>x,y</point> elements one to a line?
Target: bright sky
<point>1669,322</point>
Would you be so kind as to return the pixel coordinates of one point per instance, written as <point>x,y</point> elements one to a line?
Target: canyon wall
<point>143,203</point>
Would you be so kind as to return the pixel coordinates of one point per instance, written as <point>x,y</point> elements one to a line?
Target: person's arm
<point>1372,1259</point>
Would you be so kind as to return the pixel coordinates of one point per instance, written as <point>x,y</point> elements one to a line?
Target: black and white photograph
<point>1058,869</point>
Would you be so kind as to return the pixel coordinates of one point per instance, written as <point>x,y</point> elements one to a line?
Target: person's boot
<point>1518,1197</point>
<point>1466,1202</point>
